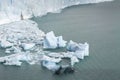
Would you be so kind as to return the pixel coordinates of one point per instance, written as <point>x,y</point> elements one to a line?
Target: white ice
<point>11,10</point>
<point>52,42</point>
<point>50,65</point>
<point>23,34</point>
<point>80,50</point>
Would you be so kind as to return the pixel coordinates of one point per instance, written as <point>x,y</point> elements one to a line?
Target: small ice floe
<point>52,42</point>
<point>80,50</point>
<point>5,44</point>
<point>13,59</point>
<point>51,59</point>
<point>50,65</point>
<point>70,55</point>
<point>27,46</point>
<point>74,60</point>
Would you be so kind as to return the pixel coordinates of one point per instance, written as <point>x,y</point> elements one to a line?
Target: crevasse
<point>12,10</point>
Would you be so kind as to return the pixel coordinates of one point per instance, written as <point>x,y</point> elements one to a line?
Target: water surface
<point>98,24</point>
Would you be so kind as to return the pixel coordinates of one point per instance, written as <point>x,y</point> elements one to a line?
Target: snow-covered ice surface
<point>22,33</point>
<point>14,10</point>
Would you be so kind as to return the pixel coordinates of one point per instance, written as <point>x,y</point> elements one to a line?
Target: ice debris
<point>52,42</point>
<point>23,34</point>
<point>80,50</point>
<point>50,65</point>
<point>27,42</point>
<point>27,46</point>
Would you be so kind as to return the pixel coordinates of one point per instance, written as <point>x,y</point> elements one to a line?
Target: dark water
<point>99,25</point>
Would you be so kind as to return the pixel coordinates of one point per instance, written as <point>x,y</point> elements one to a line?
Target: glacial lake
<point>97,24</point>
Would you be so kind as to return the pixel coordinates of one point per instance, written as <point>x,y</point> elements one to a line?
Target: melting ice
<point>28,42</point>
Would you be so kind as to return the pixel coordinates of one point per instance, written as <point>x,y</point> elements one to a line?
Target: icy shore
<point>24,41</point>
<point>15,10</point>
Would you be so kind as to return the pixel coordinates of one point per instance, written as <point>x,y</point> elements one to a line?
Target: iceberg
<point>80,50</point>
<point>16,10</point>
<point>27,46</point>
<point>50,65</point>
<point>61,42</point>
<point>52,42</point>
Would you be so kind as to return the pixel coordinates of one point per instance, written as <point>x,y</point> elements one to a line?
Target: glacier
<point>15,10</point>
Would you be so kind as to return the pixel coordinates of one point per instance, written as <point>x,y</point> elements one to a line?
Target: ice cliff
<point>15,10</point>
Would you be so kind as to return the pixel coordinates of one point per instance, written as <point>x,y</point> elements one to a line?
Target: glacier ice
<point>50,65</point>
<point>12,10</point>
<point>27,42</point>
<point>27,46</point>
<point>52,42</point>
<point>80,50</point>
<point>23,34</point>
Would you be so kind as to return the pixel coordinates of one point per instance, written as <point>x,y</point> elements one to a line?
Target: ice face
<point>80,50</point>
<point>52,42</point>
<point>15,10</point>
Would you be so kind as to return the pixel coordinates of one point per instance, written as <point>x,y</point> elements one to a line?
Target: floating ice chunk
<point>80,50</point>
<point>79,54</point>
<point>13,62</point>
<point>47,58</point>
<point>72,46</point>
<point>7,51</point>
<point>86,49</point>
<point>27,46</point>
<point>5,44</point>
<point>74,60</point>
<point>56,55</point>
<point>61,42</point>
<point>52,42</point>
<point>50,65</point>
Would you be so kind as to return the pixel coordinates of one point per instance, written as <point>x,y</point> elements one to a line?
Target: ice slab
<point>5,44</point>
<point>27,46</point>
<point>80,50</point>
<point>50,65</point>
<point>52,42</point>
